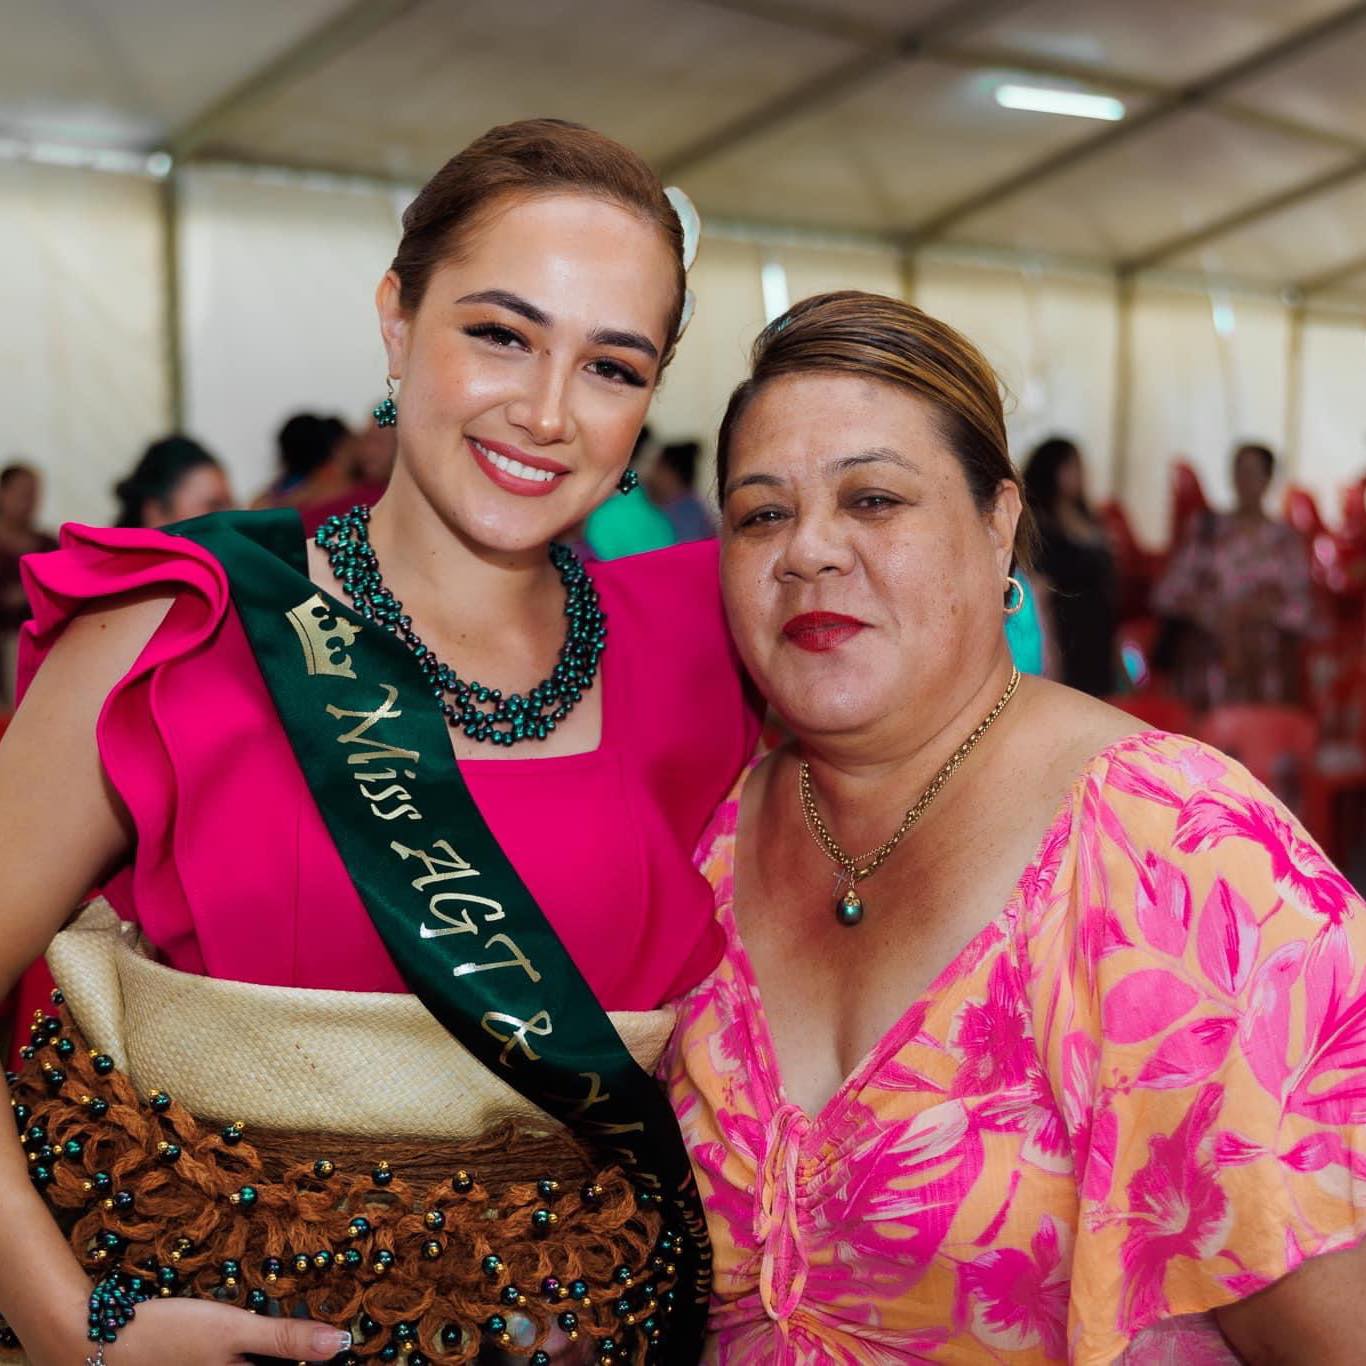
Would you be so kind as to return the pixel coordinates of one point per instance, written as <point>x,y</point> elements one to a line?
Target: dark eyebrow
<point>877,455</point>
<point>633,341</point>
<point>602,336</point>
<point>768,481</point>
<point>514,303</point>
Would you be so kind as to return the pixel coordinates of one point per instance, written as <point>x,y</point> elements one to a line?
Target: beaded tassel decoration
<point>385,412</point>
<point>482,713</point>
<point>432,1265</point>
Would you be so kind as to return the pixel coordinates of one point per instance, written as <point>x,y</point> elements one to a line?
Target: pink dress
<point>1139,1094</point>
<point>233,873</point>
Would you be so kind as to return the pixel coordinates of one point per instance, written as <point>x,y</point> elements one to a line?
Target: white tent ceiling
<point>1242,159</point>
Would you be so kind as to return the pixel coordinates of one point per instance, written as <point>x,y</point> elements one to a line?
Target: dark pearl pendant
<point>849,908</point>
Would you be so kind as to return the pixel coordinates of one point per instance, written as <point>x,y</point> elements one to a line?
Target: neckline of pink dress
<point>909,1020</point>
<point>606,681</point>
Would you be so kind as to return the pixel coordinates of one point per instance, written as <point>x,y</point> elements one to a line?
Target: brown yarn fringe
<point>456,1242</point>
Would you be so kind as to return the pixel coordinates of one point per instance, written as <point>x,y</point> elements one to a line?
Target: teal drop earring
<point>385,412</point>
<point>629,481</point>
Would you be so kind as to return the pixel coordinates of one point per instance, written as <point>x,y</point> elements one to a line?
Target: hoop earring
<point>628,482</point>
<point>385,412</point>
<point>1014,585</point>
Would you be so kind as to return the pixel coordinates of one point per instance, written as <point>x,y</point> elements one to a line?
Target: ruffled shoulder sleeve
<point>145,721</point>
<point>1198,981</point>
<point>98,566</point>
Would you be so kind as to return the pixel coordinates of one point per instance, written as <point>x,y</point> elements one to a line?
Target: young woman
<point>328,771</point>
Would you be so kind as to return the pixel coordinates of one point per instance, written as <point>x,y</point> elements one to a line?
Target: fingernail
<point>330,1340</point>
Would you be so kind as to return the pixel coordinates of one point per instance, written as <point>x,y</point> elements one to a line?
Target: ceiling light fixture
<point>1073,103</point>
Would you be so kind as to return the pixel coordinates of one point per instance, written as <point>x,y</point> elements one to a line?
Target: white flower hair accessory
<point>691,223</point>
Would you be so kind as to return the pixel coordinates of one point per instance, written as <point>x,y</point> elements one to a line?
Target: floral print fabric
<point>1140,1093</point>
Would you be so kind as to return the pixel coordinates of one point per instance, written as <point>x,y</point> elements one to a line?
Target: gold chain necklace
<point>849,905</point>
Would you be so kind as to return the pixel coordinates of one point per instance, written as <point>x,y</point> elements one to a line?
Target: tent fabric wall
<point>276,311</point>
<point>711,357</point>
<point>1051,338</point>
<point>1332,409</point>
<point>83,382</point>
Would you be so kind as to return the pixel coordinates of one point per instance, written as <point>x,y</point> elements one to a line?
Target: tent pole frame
<point>1124,388</point>
<point>172,333</point>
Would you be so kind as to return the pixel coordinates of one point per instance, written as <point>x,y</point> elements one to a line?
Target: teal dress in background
<point>627,524</point>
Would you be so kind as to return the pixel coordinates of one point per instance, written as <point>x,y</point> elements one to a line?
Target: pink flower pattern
<point>1137,1095</point>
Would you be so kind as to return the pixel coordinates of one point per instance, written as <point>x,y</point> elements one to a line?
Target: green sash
<point>463,930</point>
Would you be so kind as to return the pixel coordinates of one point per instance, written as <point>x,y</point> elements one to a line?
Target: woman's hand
<point>201,1333</point>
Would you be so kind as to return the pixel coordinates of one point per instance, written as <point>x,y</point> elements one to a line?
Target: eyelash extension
<point>494,332</point>
<point>501,335</point>
<point>622,373</point>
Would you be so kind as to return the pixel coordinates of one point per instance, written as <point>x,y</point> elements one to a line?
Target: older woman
<point>1036,1038</point>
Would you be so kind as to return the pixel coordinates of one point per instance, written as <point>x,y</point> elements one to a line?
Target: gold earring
<point>1014,585</point>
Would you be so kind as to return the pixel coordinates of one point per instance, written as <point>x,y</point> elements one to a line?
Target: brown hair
<point>880,338</point>
<point>534,157</point>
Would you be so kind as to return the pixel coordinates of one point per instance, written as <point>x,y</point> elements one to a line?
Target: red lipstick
<point>821,631</point>
<point>525,485</point>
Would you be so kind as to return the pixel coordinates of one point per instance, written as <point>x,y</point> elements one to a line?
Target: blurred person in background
<point>370,455</point>
<point>366,459</point>
<point>308,448</point>
<point>1074,568</point>
<point>175,479</point>
<point>21,492</point>
<point>631,524</point>
<point>1236,599</point>
<point>671,484</point>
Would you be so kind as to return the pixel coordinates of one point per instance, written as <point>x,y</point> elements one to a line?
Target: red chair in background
<point>1277,745</point>
<point>1157,709</point>
<point>1187,500</point>
<point>1137,568</point>
<point>1337,566</point>
<point>1340,771</point>
<point>1354,511</point>
<point>1302,512</point>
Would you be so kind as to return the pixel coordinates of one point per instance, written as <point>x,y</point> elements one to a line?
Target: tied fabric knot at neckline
<point>782,1275</point>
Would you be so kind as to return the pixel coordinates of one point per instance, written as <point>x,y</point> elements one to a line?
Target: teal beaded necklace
<point>482,713</point>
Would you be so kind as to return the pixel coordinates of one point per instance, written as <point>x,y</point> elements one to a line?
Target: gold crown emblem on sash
<point>324,634</point>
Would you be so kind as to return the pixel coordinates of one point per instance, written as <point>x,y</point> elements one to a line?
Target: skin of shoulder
<point>1067,728</point>
<point>62,825</point>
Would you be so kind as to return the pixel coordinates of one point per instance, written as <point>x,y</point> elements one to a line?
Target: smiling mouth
<point>510,466</point>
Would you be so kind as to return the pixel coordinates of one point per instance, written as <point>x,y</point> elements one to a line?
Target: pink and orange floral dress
<point>1139,1094</point>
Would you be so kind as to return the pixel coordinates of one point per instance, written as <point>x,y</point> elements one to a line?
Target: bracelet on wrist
<point>113,1305</point>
